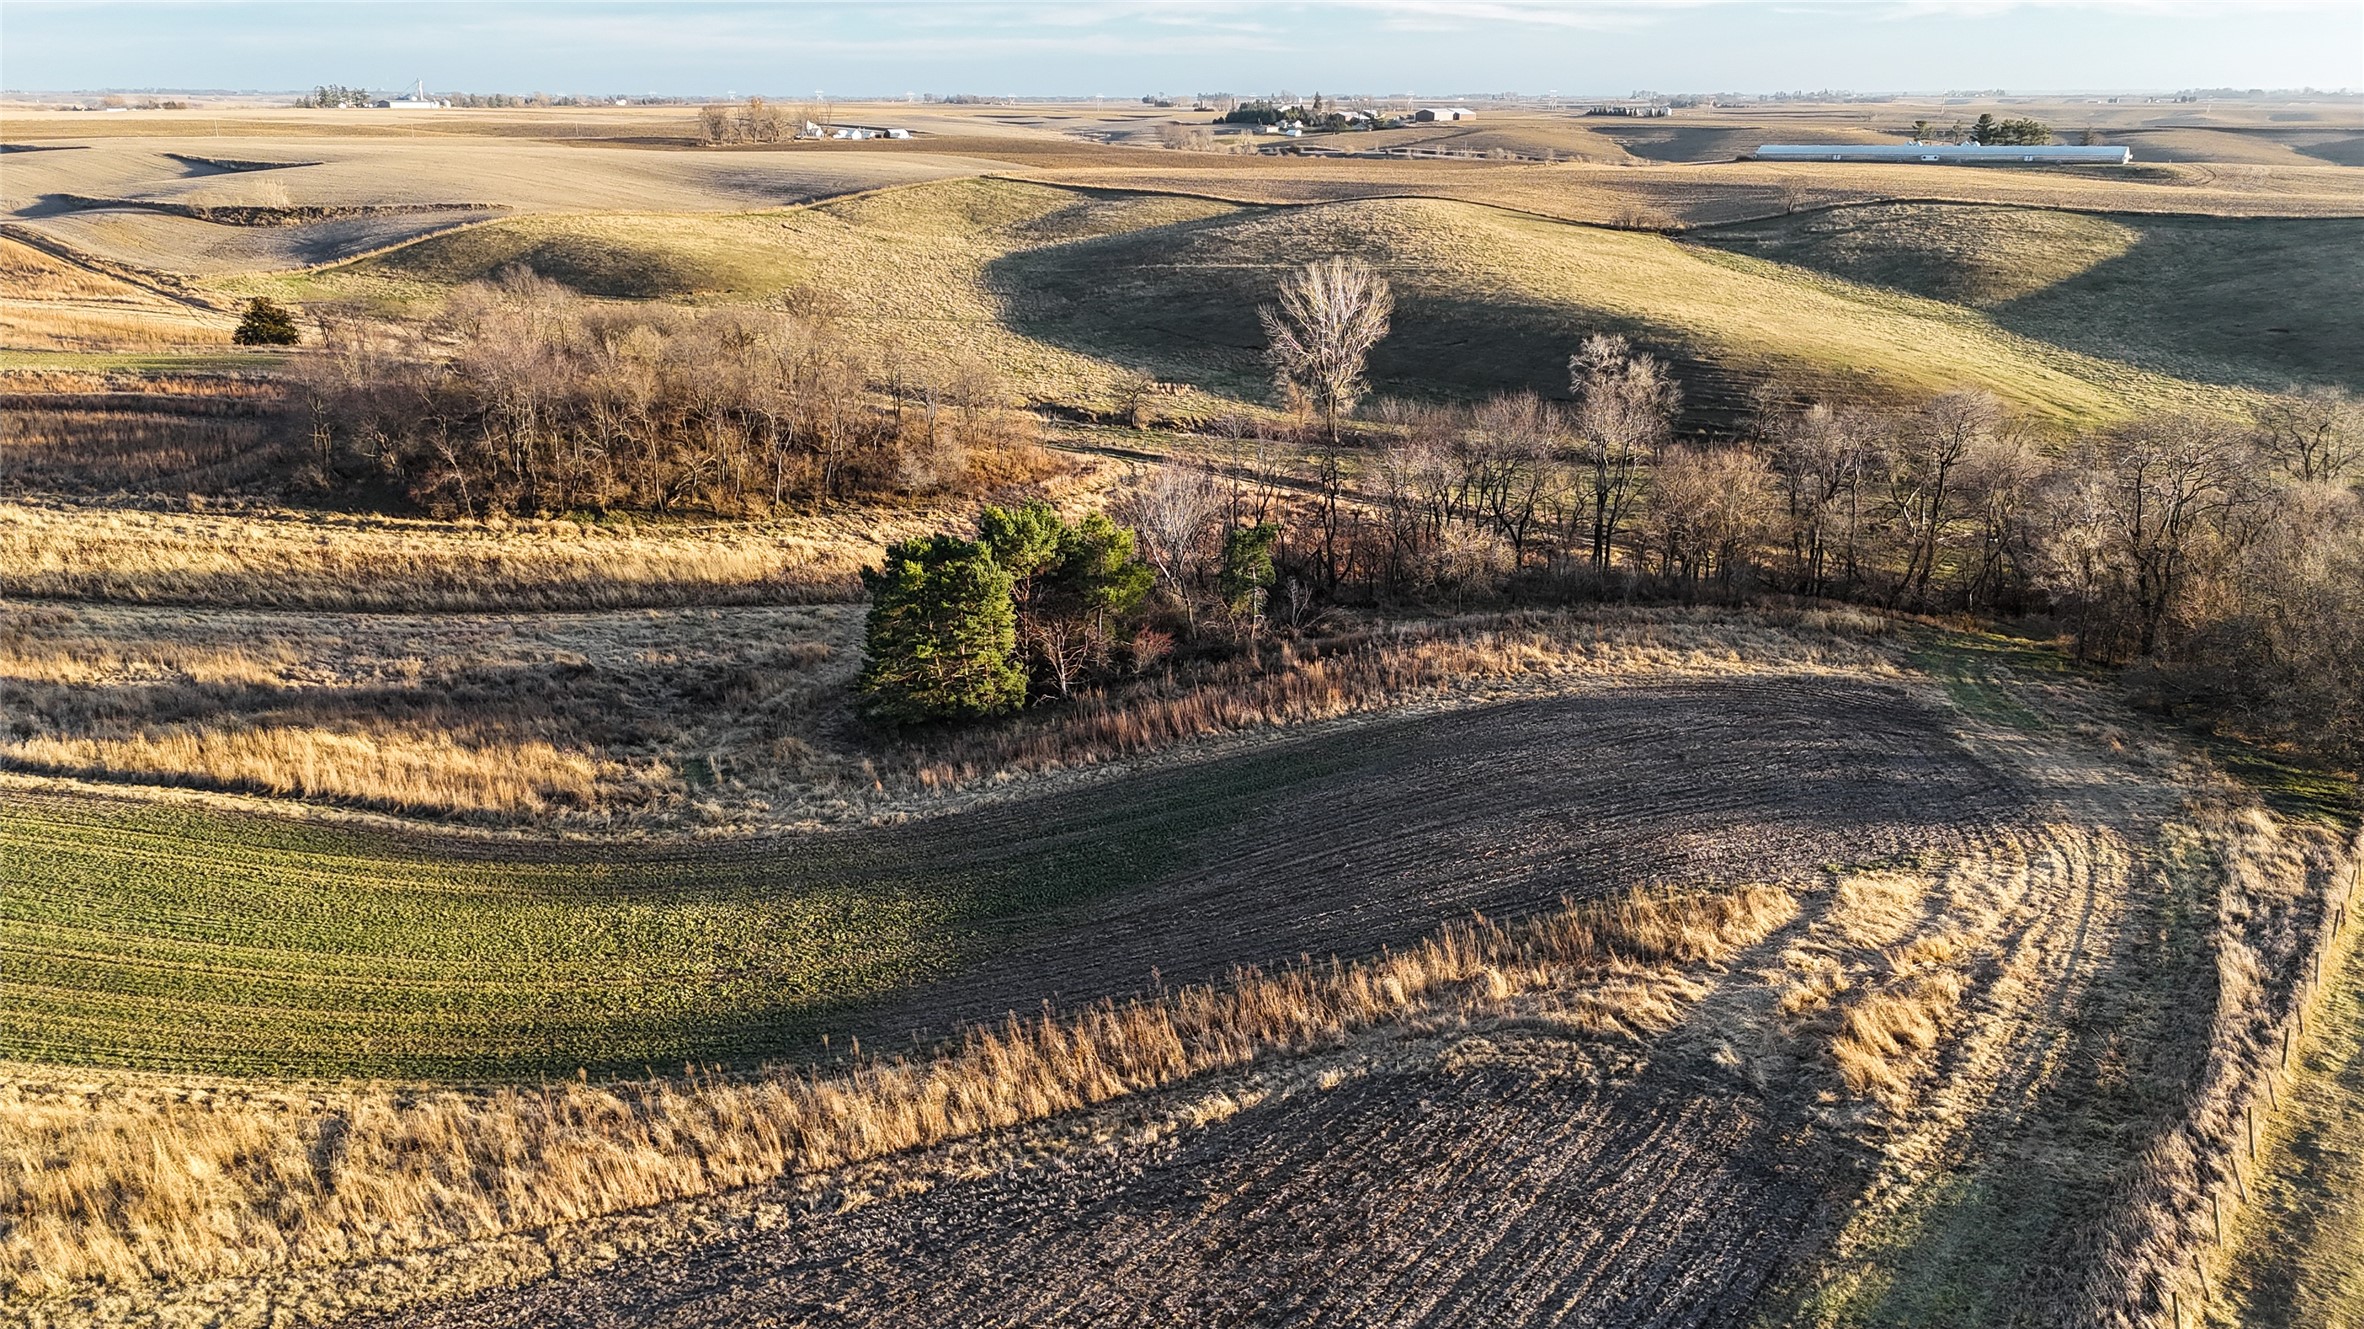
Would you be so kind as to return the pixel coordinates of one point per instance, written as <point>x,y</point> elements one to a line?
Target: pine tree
<point>942,634</point>
<point>265,324</point>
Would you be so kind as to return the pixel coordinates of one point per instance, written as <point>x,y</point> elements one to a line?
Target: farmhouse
<point>1428,113</point>
<point>1949,154</point>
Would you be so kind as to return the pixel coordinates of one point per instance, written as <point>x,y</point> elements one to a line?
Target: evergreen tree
<point>1024,540</point>
<point>265,324</point>
<point>1247,574</point>
<point>942,634</point>
<point>1098,572</point>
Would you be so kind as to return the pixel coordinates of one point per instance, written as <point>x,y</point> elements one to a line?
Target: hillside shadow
<point>2258,301</point>
<point>1124,299</point>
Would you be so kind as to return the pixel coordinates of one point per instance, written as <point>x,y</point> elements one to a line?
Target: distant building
<point>414,100</point>
<point>1942,154</point>
<point>855,131</point>
<point>1429,113</point>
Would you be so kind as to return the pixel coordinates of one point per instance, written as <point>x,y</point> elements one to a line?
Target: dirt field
<point>1941,1075</point>
<point>1509,1178</point>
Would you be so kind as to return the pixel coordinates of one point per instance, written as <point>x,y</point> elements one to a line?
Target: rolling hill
<point>1066,289</point>
<point>2258,302</point>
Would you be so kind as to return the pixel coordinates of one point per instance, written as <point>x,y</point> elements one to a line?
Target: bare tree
<point>2316,435</point>
<point>1625,411</point>
<point>1329,316</point>
<point>1174,509</point>
<point>1824,454</point>
<point>2132,515</point>
<point>1921,478</point>
<point>1511,452</point>
<point>1710,509</point>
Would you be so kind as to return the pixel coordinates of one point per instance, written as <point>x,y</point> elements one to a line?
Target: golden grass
<point>319,560</point>
<point>2294,1249</point>
<point>56,305</point>
<point>131,1185</point>
<point>395,766</point>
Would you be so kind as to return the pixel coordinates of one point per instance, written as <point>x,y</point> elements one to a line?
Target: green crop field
<point>187,938</point>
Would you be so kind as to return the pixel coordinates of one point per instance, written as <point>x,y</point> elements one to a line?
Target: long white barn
<point>1941,153</point>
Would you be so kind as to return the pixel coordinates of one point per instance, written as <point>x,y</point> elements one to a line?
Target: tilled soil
<point>1487,1180</point>
<point>1400,827</point>
<point>1520,1175</point>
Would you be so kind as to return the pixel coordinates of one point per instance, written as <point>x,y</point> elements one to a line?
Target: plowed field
<point>1482,1181</point>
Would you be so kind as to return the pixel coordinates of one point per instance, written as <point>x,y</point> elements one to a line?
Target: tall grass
<point>2271,921</point>
<point>326,561</point>
<point>392,766</point>
<point>130,1185</point>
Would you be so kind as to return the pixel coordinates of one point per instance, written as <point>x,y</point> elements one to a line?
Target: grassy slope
<point>1063,289</point>
<point>2298,1256</point>
<point>2263,302</point>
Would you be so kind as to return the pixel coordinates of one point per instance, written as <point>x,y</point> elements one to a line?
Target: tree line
<point>2220,553</point>
<point>524,398</point>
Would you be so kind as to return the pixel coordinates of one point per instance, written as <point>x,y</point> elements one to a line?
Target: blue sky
<point>1129,47</point>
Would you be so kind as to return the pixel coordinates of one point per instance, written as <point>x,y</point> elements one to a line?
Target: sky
<point>1128,48</point>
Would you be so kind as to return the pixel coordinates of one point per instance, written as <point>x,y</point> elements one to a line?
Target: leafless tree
<point>2135,511</point>
<point>1625,411</point>
<point>1320,334</point>
<point>1511,452</point>
<point>1710,509</point>
<point>1923,460</point>
<point>1824,455</point>
<point>1174,509</point>
<point>2313,435</point>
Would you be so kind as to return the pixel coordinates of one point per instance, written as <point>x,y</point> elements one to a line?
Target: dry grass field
<point>459,922</point>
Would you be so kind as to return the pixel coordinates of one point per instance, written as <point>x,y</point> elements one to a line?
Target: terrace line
<point>1942,153</point>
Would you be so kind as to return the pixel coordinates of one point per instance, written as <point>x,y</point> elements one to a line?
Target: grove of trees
<point>1034,605</point>
<point>525,398</point>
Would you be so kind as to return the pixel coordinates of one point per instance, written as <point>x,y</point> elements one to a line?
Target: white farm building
<point>1428,113</point>
<point>1946,154</point>
<point>414,100</point>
